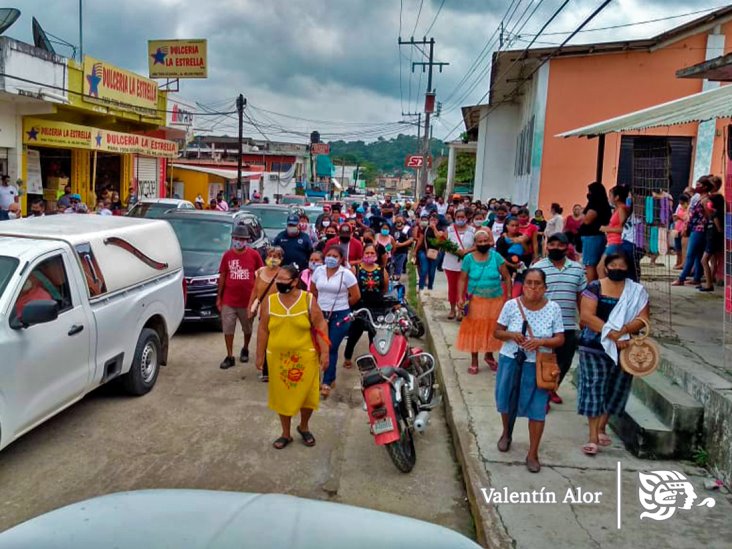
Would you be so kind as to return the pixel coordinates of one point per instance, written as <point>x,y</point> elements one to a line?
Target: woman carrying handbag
<point>427,253</point>
<point>529,326</point>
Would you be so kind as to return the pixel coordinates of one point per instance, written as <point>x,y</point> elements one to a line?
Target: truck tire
<point>145,364</point>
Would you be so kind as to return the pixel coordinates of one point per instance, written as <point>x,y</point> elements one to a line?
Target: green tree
<point>464,171</point>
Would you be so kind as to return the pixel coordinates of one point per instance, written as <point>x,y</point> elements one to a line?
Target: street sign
<point>414,161</point>
<point>320,148</point>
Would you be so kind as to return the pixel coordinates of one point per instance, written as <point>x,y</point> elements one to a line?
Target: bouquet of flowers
<point>447,246</point>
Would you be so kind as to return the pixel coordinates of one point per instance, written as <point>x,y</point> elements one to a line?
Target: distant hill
<point>383,155</point>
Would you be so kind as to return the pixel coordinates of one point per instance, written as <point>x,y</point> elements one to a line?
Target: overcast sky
<point>332,60</point>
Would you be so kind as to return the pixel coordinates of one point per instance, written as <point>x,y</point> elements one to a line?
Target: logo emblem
<point>94,79</point>
<point>159,56</point>
<point>661,493</point>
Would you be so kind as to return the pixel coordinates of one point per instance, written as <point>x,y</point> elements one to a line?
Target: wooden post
<point>93,182</point>
<point>600,157</point>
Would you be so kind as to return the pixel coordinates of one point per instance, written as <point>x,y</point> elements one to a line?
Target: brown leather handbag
<point>547,367</point>
<point>642,356</point>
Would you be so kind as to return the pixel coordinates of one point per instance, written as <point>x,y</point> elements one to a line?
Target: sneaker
<point>244,355</point>
<point>228,362</point>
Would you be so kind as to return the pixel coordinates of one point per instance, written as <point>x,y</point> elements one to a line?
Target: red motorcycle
<point>397,383</point>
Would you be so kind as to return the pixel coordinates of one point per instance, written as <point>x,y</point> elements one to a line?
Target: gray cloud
<point>324,59</point>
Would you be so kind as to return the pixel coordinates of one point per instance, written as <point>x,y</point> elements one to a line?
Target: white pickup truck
<point>84,300</point>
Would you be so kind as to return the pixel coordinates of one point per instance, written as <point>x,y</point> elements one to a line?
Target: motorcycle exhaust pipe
<point>422,421</point>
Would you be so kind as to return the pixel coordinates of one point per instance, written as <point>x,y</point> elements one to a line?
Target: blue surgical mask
<point>385,232</point>
<point>313,265</point>
<point>460,222</point>
<point>332,262</point>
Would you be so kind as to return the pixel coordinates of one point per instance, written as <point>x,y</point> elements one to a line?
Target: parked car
<point>273,217</point>
<point>207,518</point>
<point>84,299</point>
<point>204,236</point>
<point>155,207</point>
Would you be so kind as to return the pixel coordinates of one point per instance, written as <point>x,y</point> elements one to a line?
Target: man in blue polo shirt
<point>565,281</point>
<point>297,244</point>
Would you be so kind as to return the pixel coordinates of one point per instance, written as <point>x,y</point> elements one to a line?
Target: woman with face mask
<point>293,339</point>
<point>264,286</point>
<point>609,312</point>
<point>528,324</point>
<point>462,235</point>
<point>404,240</point>
<point>336,290</point>
<point>373,283</point>
<point>385,245</point>
<point>316,261</point>
<point>485,279</point>
<point>427,253</point>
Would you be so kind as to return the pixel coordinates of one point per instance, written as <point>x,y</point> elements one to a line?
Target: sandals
<point>451,316</point>
<point>604,440</point>
<point>459,316</point>
<point>348,364</point>
<point>325,390</point>
<point>281,442</point>
<point>533,465</point>
<point>473,370</point>
<point>492,364</point>
<point>590,449</point>
<point>307,437</point>
<point>504,444</point>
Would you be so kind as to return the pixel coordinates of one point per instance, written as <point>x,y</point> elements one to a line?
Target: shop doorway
<point>48,174</point>
<point>108,172</point>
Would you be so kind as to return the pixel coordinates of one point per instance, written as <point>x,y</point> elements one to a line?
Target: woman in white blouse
<point>336,290</point>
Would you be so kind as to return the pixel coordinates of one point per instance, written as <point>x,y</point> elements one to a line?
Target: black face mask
<point>617,275</point>
<point>556,254</point>
<point>345,238</point>
<point>483,248</point>
<point>284,287</point>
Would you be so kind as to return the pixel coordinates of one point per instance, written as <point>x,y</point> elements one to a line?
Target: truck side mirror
<point>39,312</point>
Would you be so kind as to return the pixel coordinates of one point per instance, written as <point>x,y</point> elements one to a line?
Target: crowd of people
<point>520,285</point>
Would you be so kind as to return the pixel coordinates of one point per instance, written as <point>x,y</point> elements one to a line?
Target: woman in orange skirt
<point>483,273</point>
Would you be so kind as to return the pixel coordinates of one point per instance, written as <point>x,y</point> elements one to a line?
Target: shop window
<point>92,273</point>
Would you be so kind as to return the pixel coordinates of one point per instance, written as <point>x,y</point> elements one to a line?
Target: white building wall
<point>496,152</point>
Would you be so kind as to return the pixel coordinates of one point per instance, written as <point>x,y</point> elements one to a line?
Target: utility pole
<point>240,104</point>
<point>429,101</point>
<point>81,32</point>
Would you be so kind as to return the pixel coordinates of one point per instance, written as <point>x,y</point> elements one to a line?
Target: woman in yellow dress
<point>286,339</point>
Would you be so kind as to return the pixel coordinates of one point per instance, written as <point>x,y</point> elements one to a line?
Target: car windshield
<point>7,268</point>
<point>202,235</point>
<point>153,210</point>
<point>270,219</point>
<point>292,200</point>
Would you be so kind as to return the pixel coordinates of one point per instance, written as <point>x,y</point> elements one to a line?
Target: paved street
<point>206,428</point>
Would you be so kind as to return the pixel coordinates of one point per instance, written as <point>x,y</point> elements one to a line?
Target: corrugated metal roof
<point>706,105</point>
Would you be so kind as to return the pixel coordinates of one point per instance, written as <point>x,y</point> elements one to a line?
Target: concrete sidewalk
<point>476,427</point>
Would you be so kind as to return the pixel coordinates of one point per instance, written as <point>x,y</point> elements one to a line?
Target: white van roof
<point>128,250</point>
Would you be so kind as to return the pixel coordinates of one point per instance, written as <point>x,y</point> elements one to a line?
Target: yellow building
<point>100,132</point>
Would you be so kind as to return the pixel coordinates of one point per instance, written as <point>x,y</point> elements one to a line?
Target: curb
<point>490,531</point>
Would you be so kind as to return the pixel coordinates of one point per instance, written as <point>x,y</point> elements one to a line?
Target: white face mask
<point>12,215</point>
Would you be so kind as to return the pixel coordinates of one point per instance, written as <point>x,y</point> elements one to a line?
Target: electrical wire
<point>419,14</point>
<point>435,18</point>
<point>541,64</point>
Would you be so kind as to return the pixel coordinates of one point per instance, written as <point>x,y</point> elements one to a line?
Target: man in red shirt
<point>352,247</point>
<point>236,282</point>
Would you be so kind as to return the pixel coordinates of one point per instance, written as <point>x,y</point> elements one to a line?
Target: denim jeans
<point>399,262</point>
<point>336,334</point>
<point>427,270</point>
<point>694,253</point>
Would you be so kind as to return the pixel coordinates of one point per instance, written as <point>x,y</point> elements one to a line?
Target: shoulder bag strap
<point>269,286</point>
<point>523,315</point>
<point>460,240</point>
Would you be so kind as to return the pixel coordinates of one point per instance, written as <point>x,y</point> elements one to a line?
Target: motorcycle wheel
<point>417,324</point>
<point>402,452</point>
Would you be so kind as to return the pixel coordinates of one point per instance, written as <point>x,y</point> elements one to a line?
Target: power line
<point>648,21</point>
<point>478,80</point>
<point>419,13</point>
<point>435,19</point>
<point>541,64</point>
